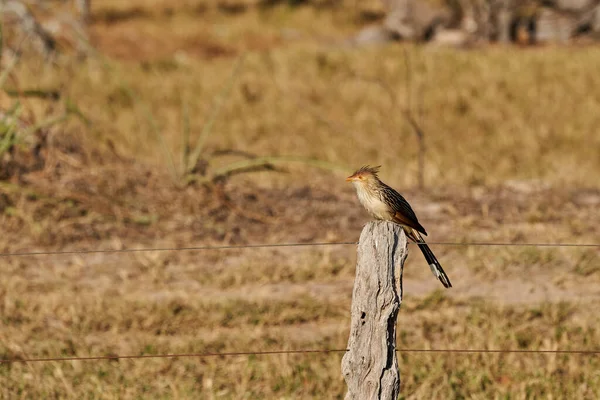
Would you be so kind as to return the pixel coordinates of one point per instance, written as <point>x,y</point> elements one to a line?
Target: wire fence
<point>273,245</point>
<point>281,352</point>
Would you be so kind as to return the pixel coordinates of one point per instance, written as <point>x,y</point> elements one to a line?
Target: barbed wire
<point>281,352</point>
<point>272,245</point>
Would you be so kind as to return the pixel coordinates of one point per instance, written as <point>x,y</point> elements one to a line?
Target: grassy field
<point>512,155</point>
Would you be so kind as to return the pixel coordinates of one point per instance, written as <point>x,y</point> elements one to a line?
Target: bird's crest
<point>367,169</point>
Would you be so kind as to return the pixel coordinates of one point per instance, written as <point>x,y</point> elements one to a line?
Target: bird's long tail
<point>434,264</point>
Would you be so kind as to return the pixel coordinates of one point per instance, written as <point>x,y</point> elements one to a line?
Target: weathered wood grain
<point>370,367</point>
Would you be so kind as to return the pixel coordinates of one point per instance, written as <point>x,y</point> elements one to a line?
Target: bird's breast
<point>373,204</point>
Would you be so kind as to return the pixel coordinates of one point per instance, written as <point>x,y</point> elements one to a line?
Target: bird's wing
<point>402,219</point>
<point>403,213</point>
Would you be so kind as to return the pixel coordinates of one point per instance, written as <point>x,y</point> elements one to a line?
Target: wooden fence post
<point>370,367</point>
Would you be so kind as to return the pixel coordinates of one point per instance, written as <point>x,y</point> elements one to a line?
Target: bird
<point>385,203</point>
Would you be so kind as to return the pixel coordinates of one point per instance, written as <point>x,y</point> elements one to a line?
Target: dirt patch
<point>80,195</point>
<point>80,199</point>
<point>131,41</point>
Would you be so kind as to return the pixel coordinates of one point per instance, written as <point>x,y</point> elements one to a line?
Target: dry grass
<point>512,152</point>
<point>144,304</point>
<point>533,111</point>
<point>506,114</point>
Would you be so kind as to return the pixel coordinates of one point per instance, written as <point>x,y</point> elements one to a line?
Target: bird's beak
<point>350,178</point>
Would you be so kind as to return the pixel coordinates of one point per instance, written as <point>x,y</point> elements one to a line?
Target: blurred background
<point>166,124</point>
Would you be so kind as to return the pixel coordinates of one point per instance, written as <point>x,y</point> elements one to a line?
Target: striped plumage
<point>383,202</point>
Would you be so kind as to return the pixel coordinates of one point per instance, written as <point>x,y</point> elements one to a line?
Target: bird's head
<point>364,176</point>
